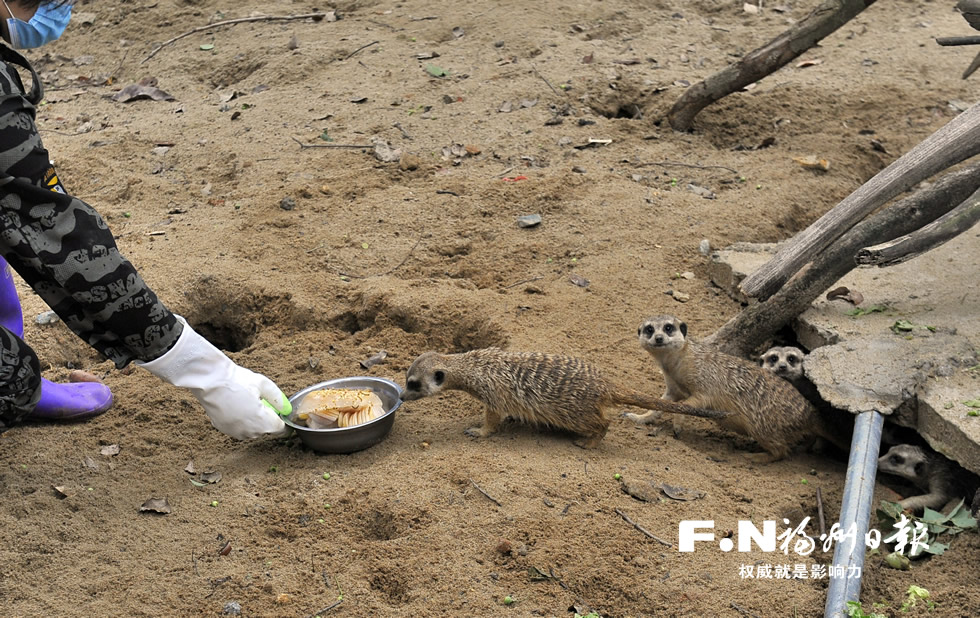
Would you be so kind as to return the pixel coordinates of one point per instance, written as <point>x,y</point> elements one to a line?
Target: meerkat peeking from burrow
<point>756,402</point>
<point>942,479</point>
<point>786,362</point>
<point>539,389</point>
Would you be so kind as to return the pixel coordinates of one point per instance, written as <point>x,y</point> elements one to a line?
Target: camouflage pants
<point>64,250</point>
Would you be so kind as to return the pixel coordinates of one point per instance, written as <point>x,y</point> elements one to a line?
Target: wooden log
<point>825,19</point>
<point>756,323</point>
<point>903,249</point>
<point>958,140</point>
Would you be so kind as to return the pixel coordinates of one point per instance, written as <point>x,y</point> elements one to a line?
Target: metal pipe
<point>855,513</point>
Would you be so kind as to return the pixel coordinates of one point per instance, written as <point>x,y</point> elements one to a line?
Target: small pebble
<point>287,203</point>
<point>409,162</point>
<point>48,317</point>
<point>232,608</point>
<point>498,43</point>
<point>529,221</point>
<point>704,248</point>
<point>687,275</point>
<point>578,169</point>
<point>681,297</point>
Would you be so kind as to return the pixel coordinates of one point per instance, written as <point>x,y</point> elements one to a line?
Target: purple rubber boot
<point>59,402</point>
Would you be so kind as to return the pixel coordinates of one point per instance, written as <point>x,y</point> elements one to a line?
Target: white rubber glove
<point>232,396</point>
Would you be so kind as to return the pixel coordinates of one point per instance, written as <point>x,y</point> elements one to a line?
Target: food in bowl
<point>339,407</point>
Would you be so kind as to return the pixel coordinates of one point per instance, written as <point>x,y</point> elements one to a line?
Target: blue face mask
<point>47,25</point>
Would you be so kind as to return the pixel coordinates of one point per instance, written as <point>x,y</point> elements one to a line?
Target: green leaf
<point>207,47</point>
<point>197,483</point>
<point>972,403</point>
<point>936,549</point>
<point>364,245</point>
<point>902,326</point>
<point>930,516</point>
<point>436,71</point>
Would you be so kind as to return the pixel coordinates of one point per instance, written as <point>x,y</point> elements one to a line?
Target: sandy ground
<point>367,255</point>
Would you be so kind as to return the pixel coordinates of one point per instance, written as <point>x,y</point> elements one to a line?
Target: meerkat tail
<point>647,402</point>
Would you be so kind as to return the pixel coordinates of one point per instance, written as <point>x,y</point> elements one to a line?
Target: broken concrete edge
<point>933,408</point>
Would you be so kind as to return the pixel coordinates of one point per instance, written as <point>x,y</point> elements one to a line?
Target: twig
<point>691,165</point>
<point>742,610</point>
<point>382,24</point>
<point>361,48</point>
<point>514,285</point>
<point>329,607</point>
<point>642,529</point>
<point>194,560</point>
<point>302,145</point>
<point>489,497</point>
<point>405,134</point>
<point>535,69</point>
<point>820,519</point>
<point>230,22</point>
<point>446,192</point>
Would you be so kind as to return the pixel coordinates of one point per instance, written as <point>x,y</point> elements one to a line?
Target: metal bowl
<point>349,439</point>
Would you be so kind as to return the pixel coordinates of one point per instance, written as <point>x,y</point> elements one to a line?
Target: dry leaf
<point>60,492</point>
<point>110,450</point>
<point>88,462</point>
<point>211,477</point>
<point>374,360</point>
<point>134,92</point>
<point>579,280</point>
<point>156,505</point>
<point>844,293</point>
<point>808,63</point>
<point>680,493</point>
<point>190,469</point>
<point>813,163</point>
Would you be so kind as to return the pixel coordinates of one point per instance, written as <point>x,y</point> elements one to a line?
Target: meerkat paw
<point>764,458</point>
<point>643,419</point>
<point>588,443</point>
<point>477,432</point>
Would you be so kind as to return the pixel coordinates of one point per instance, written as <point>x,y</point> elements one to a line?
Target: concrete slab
<point>912,349</point>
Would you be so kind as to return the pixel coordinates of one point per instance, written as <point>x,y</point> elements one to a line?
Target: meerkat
<point>941,478</point>
<point>759,404</point>
<point>539,389</point>
<point>786,362</point>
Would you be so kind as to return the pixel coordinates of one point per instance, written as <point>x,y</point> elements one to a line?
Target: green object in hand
<point>287,407</point>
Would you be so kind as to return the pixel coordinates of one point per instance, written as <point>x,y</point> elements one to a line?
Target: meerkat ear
<point>439,376</point>
<point>684,329</point>
<point>919,468</point>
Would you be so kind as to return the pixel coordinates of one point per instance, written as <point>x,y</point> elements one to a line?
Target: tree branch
<point>825,19</point>
<point>756,323</point>
<point>958,140</point>
<point>946,227</point>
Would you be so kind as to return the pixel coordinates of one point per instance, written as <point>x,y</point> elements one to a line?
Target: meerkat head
<point>907,461</point>
<point>785,362</point>
<point>662,333</point>
<point>426,376</point>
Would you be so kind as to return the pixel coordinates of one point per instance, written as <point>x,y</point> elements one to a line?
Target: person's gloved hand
<point>232,396</point>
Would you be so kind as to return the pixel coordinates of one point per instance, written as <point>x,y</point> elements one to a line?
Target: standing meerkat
<point>540,389</point>
<point>786,362</point>
<point>759,404</point>
<point>942,479</point>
